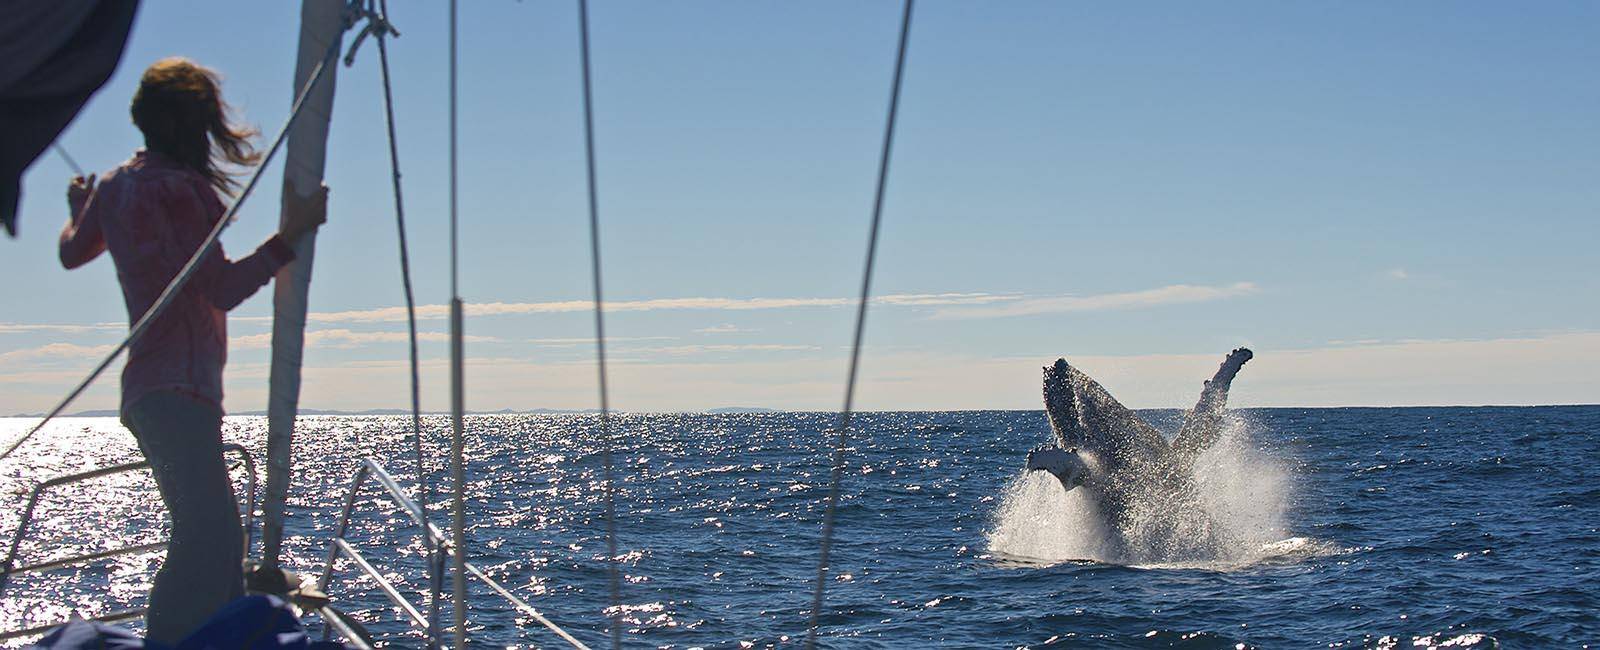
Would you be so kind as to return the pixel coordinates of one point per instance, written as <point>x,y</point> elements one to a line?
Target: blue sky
<point>1391,203</point>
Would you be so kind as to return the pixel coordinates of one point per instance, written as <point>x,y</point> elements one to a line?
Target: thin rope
<point>600,334</point>
<point>189,268</point>
<point>62,151</point>
<point>435,576</point>
<point>861,321</point>
<point>405,272</point>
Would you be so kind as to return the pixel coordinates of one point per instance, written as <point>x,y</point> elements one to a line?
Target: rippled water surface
<point>1455,527</point>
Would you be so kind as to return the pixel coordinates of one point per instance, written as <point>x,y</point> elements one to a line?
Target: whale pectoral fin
<point>1223,380</point>
<point>1203,424</point>
<point>1065,464</point>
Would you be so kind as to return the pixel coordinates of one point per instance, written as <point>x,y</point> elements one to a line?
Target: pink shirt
<point>152,214</point>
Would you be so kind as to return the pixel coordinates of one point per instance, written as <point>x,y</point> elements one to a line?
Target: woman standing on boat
<point>152,213</point>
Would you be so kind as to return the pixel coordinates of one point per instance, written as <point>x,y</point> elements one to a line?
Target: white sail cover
<point>321,25</point>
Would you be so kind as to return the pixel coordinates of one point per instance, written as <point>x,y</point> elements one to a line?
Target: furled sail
<point>321,26</point>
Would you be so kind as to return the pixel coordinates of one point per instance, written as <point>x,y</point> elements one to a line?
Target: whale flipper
<point>1203,424</point>
<point>1067,465</point>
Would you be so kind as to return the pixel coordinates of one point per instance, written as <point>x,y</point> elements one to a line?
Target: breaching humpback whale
<point>1142,485</point>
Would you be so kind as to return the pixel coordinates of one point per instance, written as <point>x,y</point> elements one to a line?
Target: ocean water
<point>1389,528</point>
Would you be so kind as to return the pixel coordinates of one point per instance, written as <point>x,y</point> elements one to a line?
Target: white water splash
<point>1040,523</point>
<point>1242,491</point>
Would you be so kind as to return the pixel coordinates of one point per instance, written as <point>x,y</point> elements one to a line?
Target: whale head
<point>1061,405</point>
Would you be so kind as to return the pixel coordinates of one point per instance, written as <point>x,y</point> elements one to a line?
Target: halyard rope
<point>381,29</point>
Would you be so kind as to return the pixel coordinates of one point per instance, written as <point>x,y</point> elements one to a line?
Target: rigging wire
<point>381,29</point>
<point>861,320</point>
<point>600,334</point>
<point>184,274</point>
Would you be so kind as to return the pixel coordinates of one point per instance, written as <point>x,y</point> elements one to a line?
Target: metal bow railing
<point>340,546</point>
<point>10,568</point>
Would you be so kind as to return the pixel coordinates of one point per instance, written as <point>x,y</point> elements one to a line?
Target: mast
<point>321,26</point>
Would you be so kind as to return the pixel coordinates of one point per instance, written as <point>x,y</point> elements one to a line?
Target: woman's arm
<point>234,281</point>
<point>82,239</point>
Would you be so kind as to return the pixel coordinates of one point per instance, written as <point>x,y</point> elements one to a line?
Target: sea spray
<point>1245,492</point>
<point>1040,522</point>
<point>1230,512</point>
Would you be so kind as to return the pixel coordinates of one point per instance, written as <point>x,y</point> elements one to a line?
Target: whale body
<point>1141,484</point>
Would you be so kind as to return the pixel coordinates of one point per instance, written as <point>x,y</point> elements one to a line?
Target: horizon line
<point>753,410</point>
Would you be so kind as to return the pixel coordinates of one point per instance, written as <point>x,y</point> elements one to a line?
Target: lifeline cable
<point>600,334</point>
<point>861,320</point>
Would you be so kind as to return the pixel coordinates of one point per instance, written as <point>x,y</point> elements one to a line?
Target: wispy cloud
<point>1355,341</point>
<point>329,338</point>
<point>1542,368</point>
<point>56,352</point>
<point>1168,295</point>
<point>725,328</point>
<point>690,350</point>
<point>589,340</point>
<point>956,305</point>
<point>1555,368</point>
<point>343,338</point>
<point>938,299</point>
<point>1396,274</point>
<point>951,306</point>
<point>59,328</point>
<point>437,312</point>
